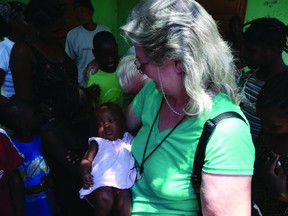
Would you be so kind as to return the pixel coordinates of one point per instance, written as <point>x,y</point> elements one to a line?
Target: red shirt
<point>10,159</point>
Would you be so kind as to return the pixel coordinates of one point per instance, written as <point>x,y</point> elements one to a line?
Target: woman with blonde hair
<point>179,47</point>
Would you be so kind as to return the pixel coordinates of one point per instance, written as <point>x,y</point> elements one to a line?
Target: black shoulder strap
<point>209,126</point>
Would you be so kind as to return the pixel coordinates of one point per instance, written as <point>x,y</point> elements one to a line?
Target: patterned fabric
<point>250,88</point>
<point>32,171</point>
<point>50,78</point>
<point>260,193</point>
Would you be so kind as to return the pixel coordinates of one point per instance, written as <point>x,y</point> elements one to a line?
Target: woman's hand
<point>93,91</point>
<point>87,180</point>
<point>46,111</point>
<point>275,178</point>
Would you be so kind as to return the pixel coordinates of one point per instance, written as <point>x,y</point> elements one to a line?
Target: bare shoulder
<point>21,55</point>
<point>21,48</point>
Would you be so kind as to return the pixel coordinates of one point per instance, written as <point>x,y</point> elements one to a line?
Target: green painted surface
<point>114,13</point>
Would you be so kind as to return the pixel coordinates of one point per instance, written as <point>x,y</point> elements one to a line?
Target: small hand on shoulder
<point>91,69</point>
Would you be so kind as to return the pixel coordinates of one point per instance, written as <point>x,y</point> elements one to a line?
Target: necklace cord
<point>162,89</point>
<point>148,138</point>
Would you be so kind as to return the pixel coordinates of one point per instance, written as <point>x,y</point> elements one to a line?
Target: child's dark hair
<point>44,12</point>
<point>8,11</point>
<point>14,110</point>
<point>273,95</point>
<point>101,38</point>
<point>83,3</point>
<point>270,31</point>
<point>5,28</point>
<point>116,107</point>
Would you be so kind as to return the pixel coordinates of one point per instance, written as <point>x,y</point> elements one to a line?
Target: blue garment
<point>32,171</point>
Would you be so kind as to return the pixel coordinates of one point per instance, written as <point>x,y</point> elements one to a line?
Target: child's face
<point>256,55</point>
<point>109,124</point>
<point>274,123</point>
<point>107,57</point>
<point>84,15</point>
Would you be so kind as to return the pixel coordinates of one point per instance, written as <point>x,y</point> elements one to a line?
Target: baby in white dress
<point>108,167</point>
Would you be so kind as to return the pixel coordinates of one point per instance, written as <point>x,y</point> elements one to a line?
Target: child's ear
<point>94,53</point>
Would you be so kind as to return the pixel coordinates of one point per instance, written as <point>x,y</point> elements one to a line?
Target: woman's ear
<point>179,67</point>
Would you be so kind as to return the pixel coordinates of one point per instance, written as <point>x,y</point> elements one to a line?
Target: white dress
<point>113,165</point>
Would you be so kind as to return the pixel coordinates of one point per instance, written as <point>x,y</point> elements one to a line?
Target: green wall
<point>268,8</point>
<point>113,13</point>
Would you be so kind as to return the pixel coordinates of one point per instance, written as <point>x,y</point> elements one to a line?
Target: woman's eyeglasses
<point>140,66</point>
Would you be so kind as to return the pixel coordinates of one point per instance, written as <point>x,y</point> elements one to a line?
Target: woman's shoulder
<point>22,48</point>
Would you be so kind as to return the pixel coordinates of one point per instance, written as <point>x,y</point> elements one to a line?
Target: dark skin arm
<point>58,151</point>
<point>16,187</point>
<point>2,76</point>
<point>22,62</point>
<point>275,178</point>
<point>86,164</point>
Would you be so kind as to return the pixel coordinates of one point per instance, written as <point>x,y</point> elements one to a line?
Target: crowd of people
<point>85,131</point>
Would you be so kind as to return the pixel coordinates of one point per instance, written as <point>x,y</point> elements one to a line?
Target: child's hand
<point>46,111</point>
<point>87,180</point>
<point>93,91</point>
<point>275,178</point>
<point>92,68</point>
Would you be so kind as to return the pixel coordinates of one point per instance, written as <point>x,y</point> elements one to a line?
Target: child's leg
<point>102,200</point>
<point>122,202</point>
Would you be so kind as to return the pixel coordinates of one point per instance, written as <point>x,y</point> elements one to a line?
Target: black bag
<point>209,126</point>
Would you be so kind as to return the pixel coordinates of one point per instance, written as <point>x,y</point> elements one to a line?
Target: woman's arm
<point>55,148</point>
<point>226,195</point>
<point>133,122</point>
<point>22,65</point>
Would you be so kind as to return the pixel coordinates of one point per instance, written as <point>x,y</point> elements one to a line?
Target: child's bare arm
<point>86,164</point>
<point>16,186</point>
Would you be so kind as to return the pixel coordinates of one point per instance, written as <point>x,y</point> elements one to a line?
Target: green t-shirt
<point>165,187</point>
<point>110,89</point>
